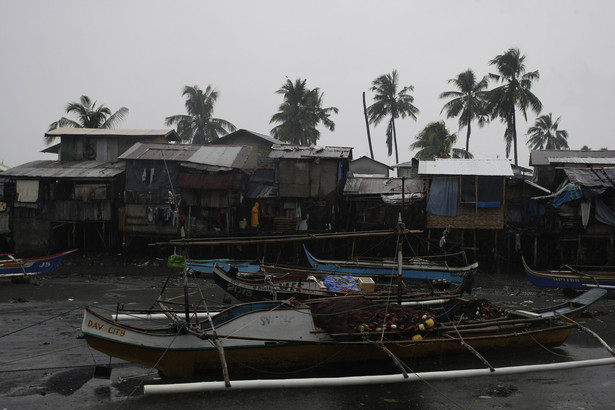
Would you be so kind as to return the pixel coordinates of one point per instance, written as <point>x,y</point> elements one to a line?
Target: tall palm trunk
<point>469,131</point>
<point>369,137</point>
<point>395,139</point>
<point>514,130</point>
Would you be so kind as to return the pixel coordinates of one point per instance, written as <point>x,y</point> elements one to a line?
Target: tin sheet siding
<point>304,179</point>
<point>323,178</point>
<point>78,211</point>
<point>294,179</point>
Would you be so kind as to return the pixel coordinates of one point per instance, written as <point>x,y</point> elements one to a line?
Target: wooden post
<point>535,250</point>
<point>428,241</point>
<point>495,251</point>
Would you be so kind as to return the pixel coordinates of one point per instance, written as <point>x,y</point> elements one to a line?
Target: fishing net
<point>352,315</point>
<point>346,315</point>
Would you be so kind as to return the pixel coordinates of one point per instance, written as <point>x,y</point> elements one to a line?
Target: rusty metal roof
<point>486,167</point>
<point>228,156</point>
<point>299,152</point>
<point>168,133</point>
<point>61,169</point>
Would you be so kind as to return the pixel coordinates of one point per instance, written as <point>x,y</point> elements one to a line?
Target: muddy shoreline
<point>45,364</point>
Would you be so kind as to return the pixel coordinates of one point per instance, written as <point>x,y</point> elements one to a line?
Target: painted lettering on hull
<point>110,329</point>
<point>276,320</point>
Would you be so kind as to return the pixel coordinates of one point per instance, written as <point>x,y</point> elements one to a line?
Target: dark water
<point>45,364</point>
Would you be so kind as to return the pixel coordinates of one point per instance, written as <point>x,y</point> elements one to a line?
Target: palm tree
<point>300,114</point>
<point>546,135</point>
<point>88,116</point>
<point>393,103</point>
<point>435,141</point>
<point>468,103</point>
<point>514,93</point>
<point>199,126</point>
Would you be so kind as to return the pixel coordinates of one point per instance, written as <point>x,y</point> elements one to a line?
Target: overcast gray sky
<point>140,54</point>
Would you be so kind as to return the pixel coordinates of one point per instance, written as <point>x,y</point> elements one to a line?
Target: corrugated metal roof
<point>544,156</point>
<point>170,152</point>
<point>59,169</point>
<point>579,160</point>
<point>222,155</point>
<point>214,155</point>
<point>591,177</point>
<point>168,133</point>
<point>298,152</point>
<point>373,186</point>
<point>267,138</point>
<point>485,167</point>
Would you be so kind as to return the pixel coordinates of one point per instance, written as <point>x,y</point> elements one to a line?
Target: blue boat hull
<point>423,272</point>
<point>568,279</point>
<point>32,266</point>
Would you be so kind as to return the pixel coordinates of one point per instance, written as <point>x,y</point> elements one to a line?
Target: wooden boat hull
<point>277,287</point>
<point>275,337</point>
<point>32,266</point>
<point>293,357</point>
<point>423,271</point>
<point>568,279</point>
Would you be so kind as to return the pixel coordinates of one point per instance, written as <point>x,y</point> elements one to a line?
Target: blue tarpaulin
<point>444,197</point>
<point>569,193</point>
<point>340,283</point>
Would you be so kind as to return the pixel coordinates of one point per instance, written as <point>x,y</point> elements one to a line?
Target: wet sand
<point>44,362</point>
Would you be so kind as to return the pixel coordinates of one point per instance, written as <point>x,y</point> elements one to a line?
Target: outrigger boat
<point>281,283</point>
<point>416,268</point>
<point>571,277</point>
<point>247,286</point>
<point>11,267</point>
<point>294,335</point>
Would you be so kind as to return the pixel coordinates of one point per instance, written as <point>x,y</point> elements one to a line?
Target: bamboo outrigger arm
<point>396,360</point>
<point>474,352</point>
<point>245,240</point>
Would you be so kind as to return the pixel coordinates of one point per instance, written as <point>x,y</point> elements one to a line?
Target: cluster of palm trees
<point>471,101</point>
<point>301,112</point>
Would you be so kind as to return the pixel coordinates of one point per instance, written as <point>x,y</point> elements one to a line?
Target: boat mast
<point>400,258</point>
<point>182,235</point>
<point>400,231</point>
